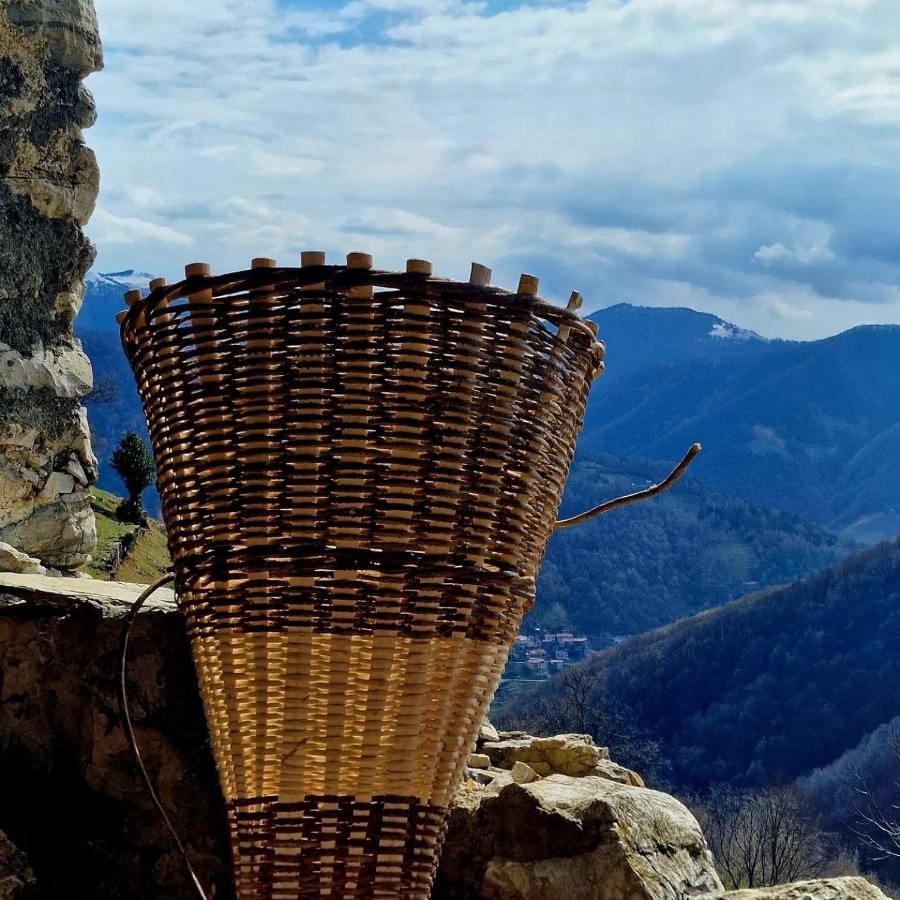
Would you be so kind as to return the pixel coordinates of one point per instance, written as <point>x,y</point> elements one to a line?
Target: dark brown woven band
<point>348,592</point>
<point>336,847</point>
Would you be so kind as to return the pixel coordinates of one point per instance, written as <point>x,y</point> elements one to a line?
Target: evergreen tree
<point>134,465</point>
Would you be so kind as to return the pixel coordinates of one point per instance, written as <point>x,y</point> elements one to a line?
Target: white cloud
<point>783,310</point>
<point>804,255</point>
<point>112,229</point>
<point>665,151</point>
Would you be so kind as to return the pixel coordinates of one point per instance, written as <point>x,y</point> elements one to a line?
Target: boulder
<point>848,888</point>
<point>567,838</point>
<point>563,754</point>
<point>12,560</point>
<point>522,773</point>
<point>63,748</point>
<point>16,878</point>
<point>487,732</point>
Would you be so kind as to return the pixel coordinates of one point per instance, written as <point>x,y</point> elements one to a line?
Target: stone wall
<point>48,185</point>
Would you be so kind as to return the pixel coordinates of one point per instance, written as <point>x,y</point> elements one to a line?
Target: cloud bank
<point>738,156</point>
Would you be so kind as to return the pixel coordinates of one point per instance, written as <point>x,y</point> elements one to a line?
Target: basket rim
<point>342,277</point>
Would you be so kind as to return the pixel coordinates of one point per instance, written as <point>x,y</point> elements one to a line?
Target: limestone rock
<point>848,888</point>
<point>606,768</point>
<point>62,533</point>
<point>44,504</point>
<point>564,754</point>
<point>565,838</point>
<point>70,194</point>
<point>68,302</point>
<point>68,26</point>
<point>479,761</point>
<point>48,185</point>
<point>66,371</point>
<point>16,878</point>
<point>12,560</point>
<point>522,773</point>
<point>487,732</point>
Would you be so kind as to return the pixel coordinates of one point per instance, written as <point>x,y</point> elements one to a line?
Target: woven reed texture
<point>359,474</point>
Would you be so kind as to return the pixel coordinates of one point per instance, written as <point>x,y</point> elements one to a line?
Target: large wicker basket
<point>359,473</point>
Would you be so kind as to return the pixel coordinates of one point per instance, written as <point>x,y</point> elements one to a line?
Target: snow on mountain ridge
<point>727,331</point>
<point>127,278</point>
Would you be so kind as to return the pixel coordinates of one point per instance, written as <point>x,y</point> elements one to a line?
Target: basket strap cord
<point>637,496</point>
<point>129,728</point>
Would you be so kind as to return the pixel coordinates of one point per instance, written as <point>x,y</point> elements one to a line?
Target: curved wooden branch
<point>637,496</point>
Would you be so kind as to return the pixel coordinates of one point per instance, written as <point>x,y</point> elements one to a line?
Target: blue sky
<point>737,156</point>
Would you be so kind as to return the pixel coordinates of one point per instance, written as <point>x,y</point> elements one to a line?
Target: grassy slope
<point>109,530</point>
<point>148,558</point>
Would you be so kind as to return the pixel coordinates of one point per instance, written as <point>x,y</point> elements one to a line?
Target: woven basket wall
<point>358,491</point>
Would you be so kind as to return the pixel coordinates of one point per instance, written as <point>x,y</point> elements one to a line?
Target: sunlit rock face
<point>48,185</point>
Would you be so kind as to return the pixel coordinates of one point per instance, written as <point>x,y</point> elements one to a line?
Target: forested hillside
<point>114,406</point>
<point>683,551</point>
<point>765,688</point>
<point>809,427</point>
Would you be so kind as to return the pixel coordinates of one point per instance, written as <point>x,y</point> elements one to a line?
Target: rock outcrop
<point>563,754</point>
<point>849,888</point>
<point>12,560</point>
<point>48,186</point>
<point>568,838</point>
<point>74,806</point>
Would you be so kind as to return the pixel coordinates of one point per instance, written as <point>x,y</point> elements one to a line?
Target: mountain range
<point>103,298</point>
<point>810,427</point>
<point>766,688</point>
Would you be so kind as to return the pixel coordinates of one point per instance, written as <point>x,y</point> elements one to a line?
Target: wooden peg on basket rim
<point>479,274</point>
<point>308,259</point>
<point>528,285</point>
<point>360,261</point>
<point>419,267</point>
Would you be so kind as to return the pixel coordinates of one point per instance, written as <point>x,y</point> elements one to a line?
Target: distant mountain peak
<point>127,278</point>
<point>706,324</point>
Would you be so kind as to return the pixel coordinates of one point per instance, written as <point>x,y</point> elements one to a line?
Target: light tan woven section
<point>296,713</point>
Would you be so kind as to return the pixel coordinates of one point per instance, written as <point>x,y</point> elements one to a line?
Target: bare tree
<point>105,390</point>
<point>582,704</point>
<point>877,820</point>
<point>766,837</point>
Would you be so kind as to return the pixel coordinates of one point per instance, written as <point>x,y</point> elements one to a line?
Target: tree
<point>878,819</point>
<point>134,465</point>
<point>765,837</point>
<point>105,390</point>
<point>582,704</point>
